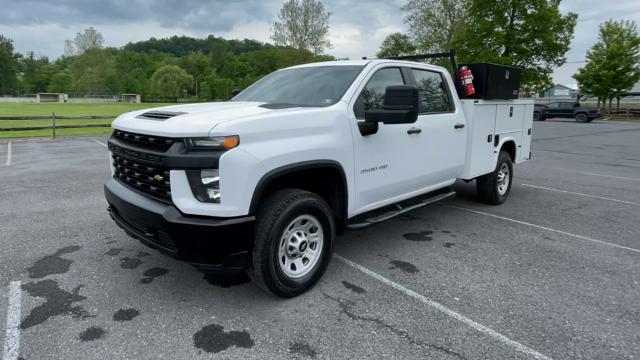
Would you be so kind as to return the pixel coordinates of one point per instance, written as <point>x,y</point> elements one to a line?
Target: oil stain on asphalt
<point>57,302</point>
<point>151,274</point>
<point>301,348</point>
<point>355,288</point>
<point>406,267</point>
<point>52,264</point>
<point>448,245</point>
<point>114,252</point>
<point>130,263</point>
<point>213,339</point>
<point>125,314</point>
<point>92,333</point>
<point>419,236</point>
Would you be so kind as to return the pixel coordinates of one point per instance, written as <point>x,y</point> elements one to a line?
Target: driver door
<point>385,167</point>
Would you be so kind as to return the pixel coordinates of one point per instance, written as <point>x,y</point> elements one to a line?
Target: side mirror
<point>235,92</point>
<point>401,105</point>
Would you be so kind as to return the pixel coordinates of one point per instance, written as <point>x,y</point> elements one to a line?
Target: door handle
<point>414,130</point>
<point>458,126</point>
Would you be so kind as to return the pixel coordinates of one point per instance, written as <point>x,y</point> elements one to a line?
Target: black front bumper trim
<point>210,244</point>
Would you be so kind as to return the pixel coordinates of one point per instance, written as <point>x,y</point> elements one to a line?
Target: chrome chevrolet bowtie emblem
<point>158,178</point>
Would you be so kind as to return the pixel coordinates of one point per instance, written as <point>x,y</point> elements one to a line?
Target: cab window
<point>372,96</point>
<point>553,105</point>
<point>434,93</point>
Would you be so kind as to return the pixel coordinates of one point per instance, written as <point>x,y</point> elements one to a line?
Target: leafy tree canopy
<point>302,25</point>
<point>613,63</point>
<point>170,82</point>
<point>396,44</point>
<point>8,64</point>
<point>531,34</point>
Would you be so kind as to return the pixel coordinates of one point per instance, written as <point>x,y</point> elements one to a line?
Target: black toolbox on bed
<point>494,81</point>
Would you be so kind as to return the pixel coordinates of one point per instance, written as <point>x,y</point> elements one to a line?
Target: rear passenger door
<point>443,136</point>
<point>566,110</point>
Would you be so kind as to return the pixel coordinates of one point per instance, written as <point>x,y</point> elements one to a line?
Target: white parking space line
<point>100,142</point>
<point>8,163</point>
<point>581,194</point>
<point>545,228</point>
<point>443,309</point>
<point>11,348</point>
<point>609,176</point>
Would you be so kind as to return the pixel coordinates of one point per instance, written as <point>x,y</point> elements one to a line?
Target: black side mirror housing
<point>235,92</point>
<point>401,105</point>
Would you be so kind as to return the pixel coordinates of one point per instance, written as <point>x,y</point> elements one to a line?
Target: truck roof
<point>364,63</point>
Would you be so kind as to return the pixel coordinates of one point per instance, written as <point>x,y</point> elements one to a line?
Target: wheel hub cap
<point>503,179</point>
<point>300,246</point>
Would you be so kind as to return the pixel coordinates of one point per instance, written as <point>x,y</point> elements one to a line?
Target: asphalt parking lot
<point>552,274</point>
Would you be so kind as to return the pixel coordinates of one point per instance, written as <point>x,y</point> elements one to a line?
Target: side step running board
<point>400,208</point>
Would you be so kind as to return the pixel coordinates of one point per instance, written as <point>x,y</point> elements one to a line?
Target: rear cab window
<point>435,95</point>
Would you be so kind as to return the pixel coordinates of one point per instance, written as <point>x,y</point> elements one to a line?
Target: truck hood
<point>190,119</point>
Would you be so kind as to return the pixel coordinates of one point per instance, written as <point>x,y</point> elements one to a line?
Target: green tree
<point>396,44</point>
<point>8,65</point>
<point>170,82</point>
<point>197,65</point>
<point>88,39</point>
<point>302,25</point>
<point>613,63</point>
<point>433,23</point>
<point>94,72</point>
<point>35,72</point>
<point>531,34</point>
<point>61,82</point>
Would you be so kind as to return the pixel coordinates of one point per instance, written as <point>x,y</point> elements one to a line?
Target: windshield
<point>307,86</point>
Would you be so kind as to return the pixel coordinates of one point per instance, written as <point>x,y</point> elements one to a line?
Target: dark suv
<point>565,109</point>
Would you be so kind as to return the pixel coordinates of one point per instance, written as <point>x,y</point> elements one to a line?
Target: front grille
<point>145,141</point>
<point>149,179</point>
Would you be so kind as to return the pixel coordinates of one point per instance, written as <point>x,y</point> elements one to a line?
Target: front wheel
<point>494,187</point>
<point>293,242</point>
<point>582,118</point>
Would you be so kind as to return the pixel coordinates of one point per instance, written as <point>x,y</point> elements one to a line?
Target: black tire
<point>537,116</point>
<point>582,118</point>
<point>488,186</point>
<point>273,217</point>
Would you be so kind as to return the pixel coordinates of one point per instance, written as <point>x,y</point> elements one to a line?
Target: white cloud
<point>357,28</point>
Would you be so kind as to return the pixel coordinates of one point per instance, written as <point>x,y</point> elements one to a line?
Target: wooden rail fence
<point>53,127</point>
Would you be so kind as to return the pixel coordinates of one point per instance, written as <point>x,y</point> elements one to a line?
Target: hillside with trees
<point>208,68</point>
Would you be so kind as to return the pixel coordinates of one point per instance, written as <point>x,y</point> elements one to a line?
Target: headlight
<point>213,143</point>
<point>205,185</point>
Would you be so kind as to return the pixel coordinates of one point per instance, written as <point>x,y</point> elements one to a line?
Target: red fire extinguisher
<point>466,79</point>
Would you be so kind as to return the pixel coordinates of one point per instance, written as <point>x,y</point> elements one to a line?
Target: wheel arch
<point>509,146</point>
<point>326,178</point>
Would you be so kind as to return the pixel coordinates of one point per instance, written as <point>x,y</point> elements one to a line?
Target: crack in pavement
<point>345,307</point>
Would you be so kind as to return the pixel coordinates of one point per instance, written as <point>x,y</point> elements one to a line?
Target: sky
<point>356,27</point>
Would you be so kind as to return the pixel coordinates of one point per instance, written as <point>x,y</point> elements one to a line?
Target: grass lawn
<point>28,109</point>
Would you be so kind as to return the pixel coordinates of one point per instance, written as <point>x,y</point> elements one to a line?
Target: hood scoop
<point>159,115</point>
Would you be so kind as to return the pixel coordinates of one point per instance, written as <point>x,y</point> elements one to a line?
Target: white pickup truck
<point>264,182</point>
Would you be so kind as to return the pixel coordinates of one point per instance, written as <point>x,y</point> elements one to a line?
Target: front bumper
<point>210,244</point>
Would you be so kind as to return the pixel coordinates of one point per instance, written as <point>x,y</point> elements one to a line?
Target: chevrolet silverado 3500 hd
<point>264,182</point>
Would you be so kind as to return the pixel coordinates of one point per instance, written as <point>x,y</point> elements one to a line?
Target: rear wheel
<point>494,188</point>
<point>537,116</point>
<point>582,118</point>
<point>293,242</point>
